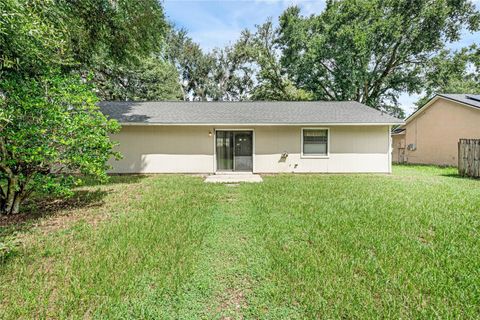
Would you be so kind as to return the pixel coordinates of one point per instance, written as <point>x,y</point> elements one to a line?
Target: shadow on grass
<point>456,175</point>
<point>115,179</point>
<point>41,207</point>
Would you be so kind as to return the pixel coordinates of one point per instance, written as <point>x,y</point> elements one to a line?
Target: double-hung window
<point>315,142</point>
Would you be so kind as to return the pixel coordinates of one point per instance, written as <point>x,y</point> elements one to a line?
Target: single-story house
<point>259,137</point>
<point>431,134</point>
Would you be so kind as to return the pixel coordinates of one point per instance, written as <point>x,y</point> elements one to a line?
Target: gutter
<point>261,124</point>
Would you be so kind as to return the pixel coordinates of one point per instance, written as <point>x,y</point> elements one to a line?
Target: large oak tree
<point>369,50</point>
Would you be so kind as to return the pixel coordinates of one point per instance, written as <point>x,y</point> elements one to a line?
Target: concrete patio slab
<point>233,178</point>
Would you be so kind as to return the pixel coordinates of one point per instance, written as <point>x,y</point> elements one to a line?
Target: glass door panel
<point>224,145</point>
<point>243,151</point>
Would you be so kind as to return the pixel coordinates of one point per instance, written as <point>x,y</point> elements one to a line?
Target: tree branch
<point>326,91</point>
<point>391,64</point>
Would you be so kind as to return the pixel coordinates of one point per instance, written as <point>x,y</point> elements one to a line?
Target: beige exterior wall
<point>190,149</point>
<point>155,149</point>
<point>352,149</point>
<point>436,130</point>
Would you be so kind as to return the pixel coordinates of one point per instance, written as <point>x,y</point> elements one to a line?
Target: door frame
<point>215,148</point>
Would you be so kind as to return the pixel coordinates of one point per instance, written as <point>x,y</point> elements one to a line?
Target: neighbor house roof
<point>249,113</point>
<point>470,100</point>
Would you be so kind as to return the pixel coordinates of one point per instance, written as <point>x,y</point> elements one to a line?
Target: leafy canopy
<point>452,72</point>
<point>50,128</point>
<point>369,50</point>
<point>271,81</point>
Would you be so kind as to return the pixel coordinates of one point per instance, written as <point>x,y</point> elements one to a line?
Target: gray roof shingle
<point>470,99</point>
<point>264,112</point>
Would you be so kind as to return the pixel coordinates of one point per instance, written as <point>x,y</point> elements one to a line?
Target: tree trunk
<point>16,204</point>
<point>11,203</point>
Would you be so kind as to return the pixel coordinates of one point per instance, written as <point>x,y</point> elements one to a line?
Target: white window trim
<point>315,156</point>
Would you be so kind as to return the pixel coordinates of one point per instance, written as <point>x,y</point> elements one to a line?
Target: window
<point>315,142</point>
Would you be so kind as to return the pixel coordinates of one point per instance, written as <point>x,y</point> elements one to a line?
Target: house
<point>430,135</point>
<point>261,137</point>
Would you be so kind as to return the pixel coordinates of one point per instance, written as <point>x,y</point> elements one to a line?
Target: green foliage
<point>369,51</point>
<point>35,33</point>
<point>8,248</point>
<point>29,40</point>
<point>223,74</point>
<point>192,64</point>
<point>50,130</point>
<point>152,79</point>
<point>272,83</point>
<point>232,75</point>
<point>118,40</point>
<point>452,72</point>
<point>122,31</point>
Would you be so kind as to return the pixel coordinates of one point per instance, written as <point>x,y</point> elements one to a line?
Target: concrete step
<point>233,178</point>
<point>233,173</point>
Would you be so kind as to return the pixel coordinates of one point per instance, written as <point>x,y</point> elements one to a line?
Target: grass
<point>404,245</point>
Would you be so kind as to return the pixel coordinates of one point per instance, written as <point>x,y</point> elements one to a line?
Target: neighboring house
<point>262,137</point>
<point>430,135</point>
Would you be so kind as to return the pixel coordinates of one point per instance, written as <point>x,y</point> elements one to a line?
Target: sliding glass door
<point>234,150</point>
<point>224,150</point>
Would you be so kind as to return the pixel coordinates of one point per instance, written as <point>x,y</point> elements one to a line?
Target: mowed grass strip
<point>368,246</point>
<point>124,268</point>
<point>404,245</point>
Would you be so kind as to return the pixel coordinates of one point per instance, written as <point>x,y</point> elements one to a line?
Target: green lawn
<point>405,245</point>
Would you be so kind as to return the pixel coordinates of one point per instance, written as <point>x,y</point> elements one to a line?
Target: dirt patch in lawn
<point>233,302</point>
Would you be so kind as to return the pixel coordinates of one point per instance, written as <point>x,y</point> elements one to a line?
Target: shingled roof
<point>470,99</point>
<point>259,113</point>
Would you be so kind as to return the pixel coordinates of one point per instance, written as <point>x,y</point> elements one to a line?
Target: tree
<point>192,64</point>
<point>78,34</point>
<point>28,41</point>
<point>271,80</point>
<point>122,31</point>
<point>369,51</point>
<point>50,127</point>
<point>152,79</point>
<point>50,130</point>
<point>232,75</point>
<point>452,72</point>
<point>121,42</point>
<point>222,75</point>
